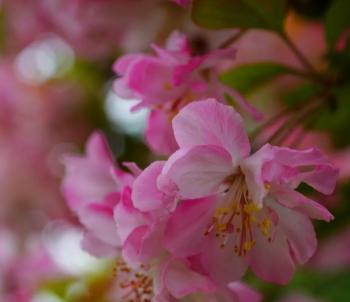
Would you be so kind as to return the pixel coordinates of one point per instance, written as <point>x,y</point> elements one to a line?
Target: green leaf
<point>336,121</point>
<point>337,20</point>
<point>301,93</point>
<point>248,77</point>
<point>219,14</point>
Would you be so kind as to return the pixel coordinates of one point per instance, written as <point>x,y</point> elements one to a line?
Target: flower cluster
<point>168,81</point>
<point>187,228</point>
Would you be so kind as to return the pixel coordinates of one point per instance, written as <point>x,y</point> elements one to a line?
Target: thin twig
<point>284,131</point>
<point>232,39</point>
<point>305,62</point>
<point>269,123</point>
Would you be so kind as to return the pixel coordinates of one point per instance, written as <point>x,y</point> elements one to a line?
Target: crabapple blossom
<point>169,80</point>
<point>140,217</point>
<point>95,188</point>
<point>92,187</point>
<point>248,211</point>
<point>172,280</point>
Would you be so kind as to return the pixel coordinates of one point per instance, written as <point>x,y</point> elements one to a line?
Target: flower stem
<point>284,131</point>
<point>313,73</point>
<point>235,37</point>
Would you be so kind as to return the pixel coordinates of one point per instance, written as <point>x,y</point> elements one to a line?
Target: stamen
<point>138,286</point>
<point>239,217</point>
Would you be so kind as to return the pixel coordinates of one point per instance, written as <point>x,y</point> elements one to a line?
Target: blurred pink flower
<point>249,213</point>
<point>35,126</point>
<point>170,80</point>
<point>90,27</point>
<point>92,187</point>
<point>23,267</point>
<point>334,252</point>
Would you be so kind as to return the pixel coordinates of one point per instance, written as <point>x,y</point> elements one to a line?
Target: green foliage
<point>248,77</point>
<point>340,211</point>
<point>337,20</point>
<point>300,94</point>
<point>336,120</point>
<point>219,14</point>
<point>340,63</point>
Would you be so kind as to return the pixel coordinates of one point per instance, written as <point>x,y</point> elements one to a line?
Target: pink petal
<point>297,158</point>
<point>128,218</point>
<point>244,293</point>
<point>143,244</point>
<point>149,77</point>
<point>178,42</point>
<point>145,194</point>
<point>324,175</point>
<point>184,233</point>
<point>181,281</point>
<point>98,218</point>
<point>271,261</point>
<point>294,200</point>
<point>122,65</point>
<point>159,133</point>
<point>88,178</point>
<point>299,232</point>
<point>243,103</point>
<point>199,171</point>
<point>222,264</point>
<point>252,168</point>
<point>209,122</point>
<point>97,148</point>
<point>96,247</point>
<point>121,89</point>
<point>133,168</point>
<point>322,179</point>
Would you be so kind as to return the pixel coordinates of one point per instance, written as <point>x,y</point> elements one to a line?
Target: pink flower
<point>92,187</point>
<point>141,216</point>
<point>247,212</point>
<point>171,280</point>
<point>25,266</point>
<point>89,26</point>
<point>169,80</point>
<point>333,253</point>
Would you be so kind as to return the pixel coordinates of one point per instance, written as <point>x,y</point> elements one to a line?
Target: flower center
<point>238,217</point>
<point>135,285</point>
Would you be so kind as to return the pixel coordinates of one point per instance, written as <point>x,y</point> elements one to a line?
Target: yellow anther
<point>225,210</point>
<point>267,186</point>
<point>248,245</point>
<point>251,208</point>
<point>265,226</point>
<point>221,227</point>
<point>218,211</point>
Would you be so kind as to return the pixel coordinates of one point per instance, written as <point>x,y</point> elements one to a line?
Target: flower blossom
<point>92,187</point>
<point>245,210</point>
<point>100,194</point>
<point>169,80</point>
<point>147,269</point>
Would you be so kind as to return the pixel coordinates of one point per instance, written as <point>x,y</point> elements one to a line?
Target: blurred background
<point>56,77</point>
